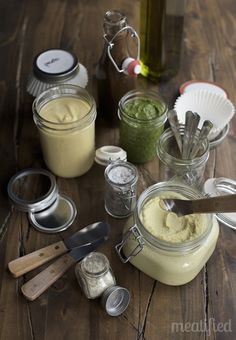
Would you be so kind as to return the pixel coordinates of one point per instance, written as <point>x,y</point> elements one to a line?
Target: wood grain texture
<point>63,312</point>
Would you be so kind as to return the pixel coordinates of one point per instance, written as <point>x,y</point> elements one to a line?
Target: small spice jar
<point>179,252</point>
<point>121,187</point>
<point>65,117</point>
<point>94,275</point>
<point>142,116</point>
<point>96,279</point>
<point>173,167</point>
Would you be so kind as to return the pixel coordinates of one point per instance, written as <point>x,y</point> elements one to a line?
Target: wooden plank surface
<point>63,312</point>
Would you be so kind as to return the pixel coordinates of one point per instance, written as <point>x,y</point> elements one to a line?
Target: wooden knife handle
<point>33,260</point>
<point>38,284</point>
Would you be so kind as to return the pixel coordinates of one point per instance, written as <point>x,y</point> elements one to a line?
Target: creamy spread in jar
<point>169,249</point>
<point>64,110</point>
<point>66,126</point>
<point>168,226</point>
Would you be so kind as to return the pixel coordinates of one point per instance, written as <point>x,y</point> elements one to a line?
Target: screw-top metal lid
<point>54,64</point>
<point>53,67</point>
<point>35,191</point>
<point>115,300</point>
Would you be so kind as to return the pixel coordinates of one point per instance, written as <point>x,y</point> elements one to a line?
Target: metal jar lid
<point>53,67</point>
<point>115,300</point>
<point>47,210</point>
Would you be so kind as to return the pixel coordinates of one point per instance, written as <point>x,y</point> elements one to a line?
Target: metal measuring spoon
<point>191,123</point>
<point>205,130</point>
<point>174,124</point>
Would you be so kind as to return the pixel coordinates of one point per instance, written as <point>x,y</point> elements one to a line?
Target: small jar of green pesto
<point>142,116</point>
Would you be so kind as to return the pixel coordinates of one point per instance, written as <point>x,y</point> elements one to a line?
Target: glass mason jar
<point>168,262</point>
<point>94,275</point>
<point>142,116</point>
<point>65,118</point>
<point>173,167</point>
<point>121,188</point>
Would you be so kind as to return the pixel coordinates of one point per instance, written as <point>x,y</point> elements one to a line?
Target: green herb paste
<point>141,127</point>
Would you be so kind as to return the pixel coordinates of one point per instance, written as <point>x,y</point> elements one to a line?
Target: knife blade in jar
<point>26,263</point>
<point>41,282</point>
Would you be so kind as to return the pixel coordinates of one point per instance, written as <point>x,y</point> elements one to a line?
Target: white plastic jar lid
<point>109,153</point>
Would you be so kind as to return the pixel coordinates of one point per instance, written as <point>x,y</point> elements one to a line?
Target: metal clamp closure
<point>138,238</point>
<point>110,45</point>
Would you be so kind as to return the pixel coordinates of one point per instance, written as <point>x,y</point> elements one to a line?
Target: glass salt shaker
<point>94,275</point>
<point>121,188</point>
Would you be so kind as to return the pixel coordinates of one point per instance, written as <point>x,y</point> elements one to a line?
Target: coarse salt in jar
<point>121,188</point>
<point>94,274</point>
<point>65,117</point>
<point>169,249</point>
<point>142,116</point>
<point>96,279</point>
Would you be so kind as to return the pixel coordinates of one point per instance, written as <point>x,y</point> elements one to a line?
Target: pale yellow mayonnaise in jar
<point>174,249</point>
<point>66,125</point>
<point>167,226</point>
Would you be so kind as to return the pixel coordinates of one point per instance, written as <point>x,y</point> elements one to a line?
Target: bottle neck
<point>114,21</point>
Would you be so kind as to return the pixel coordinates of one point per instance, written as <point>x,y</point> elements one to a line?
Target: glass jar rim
<point>186,191</point>
<point>124,164</point>
<point>101,257</point>
<point>167,158</point>
<point>139,93</point>
<point>60,91</point>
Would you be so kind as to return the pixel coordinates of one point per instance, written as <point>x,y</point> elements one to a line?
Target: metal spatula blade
<point>219,204</point>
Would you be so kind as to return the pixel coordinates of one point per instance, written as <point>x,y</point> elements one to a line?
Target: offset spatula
<point>219,204</point>
<point>38,284</point>
<point>89,234</point>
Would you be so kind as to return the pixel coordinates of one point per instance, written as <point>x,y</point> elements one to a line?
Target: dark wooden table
<point>63,312</point>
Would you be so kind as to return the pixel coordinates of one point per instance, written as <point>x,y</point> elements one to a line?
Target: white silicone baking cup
<point>210,106</point>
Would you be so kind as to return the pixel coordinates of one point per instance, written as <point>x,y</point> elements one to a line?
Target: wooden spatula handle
<point>33,260</point>
<point>38,284</point>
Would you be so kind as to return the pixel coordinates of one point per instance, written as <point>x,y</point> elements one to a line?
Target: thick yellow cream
<point>68,148</point>
<point>166,265</point>
<point>168,226</point>
<point>64,110</point>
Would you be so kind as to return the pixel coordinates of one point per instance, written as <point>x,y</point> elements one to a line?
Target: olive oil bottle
<point>161,32</point>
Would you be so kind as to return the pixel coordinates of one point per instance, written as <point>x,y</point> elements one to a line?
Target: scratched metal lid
<point>53,67</point>
<point>35,191</point>
<point>115,300</point>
